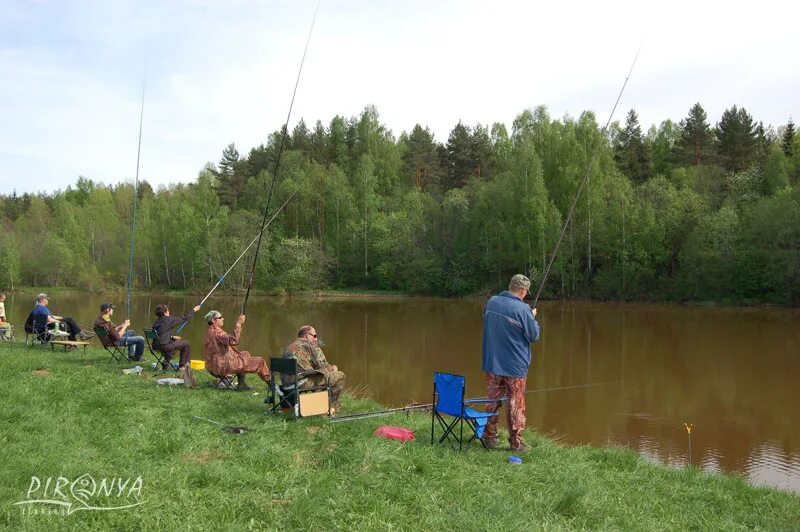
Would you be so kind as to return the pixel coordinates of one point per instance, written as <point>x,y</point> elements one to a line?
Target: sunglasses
<point>314,335</point>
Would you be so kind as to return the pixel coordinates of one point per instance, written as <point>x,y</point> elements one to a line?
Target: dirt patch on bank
<point>41,372</point>
<point>203,457</point>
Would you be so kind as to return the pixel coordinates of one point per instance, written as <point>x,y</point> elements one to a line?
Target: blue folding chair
<point>448,400</point>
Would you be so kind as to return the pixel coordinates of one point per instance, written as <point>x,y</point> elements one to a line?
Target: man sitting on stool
<point>118,334</point>
<point>309,357</point>
<point>168,343</point>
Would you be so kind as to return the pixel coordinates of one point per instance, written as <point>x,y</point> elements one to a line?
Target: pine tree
<point>630,152</point>
<point>459,160</point>
<point>696,140</point>
<point>737,138</point>
<point>230,184</point>
<point>787,140</point>
<point>421,161</point>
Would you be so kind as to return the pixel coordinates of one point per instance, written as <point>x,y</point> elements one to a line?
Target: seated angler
<point>222,356</point>
<point>41,319</point>
<point>166,341</point>
<point>119,334</point>
<point>309,357</point>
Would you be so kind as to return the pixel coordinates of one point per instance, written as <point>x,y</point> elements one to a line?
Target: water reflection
<point>727,371</point>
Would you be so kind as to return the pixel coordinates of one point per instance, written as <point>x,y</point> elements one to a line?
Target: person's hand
<point>334,368</point>
<point>196,308</point>
<point>175,338</point>
<point>242,318</point>
<point>535,311</point>
<point>127,323</point>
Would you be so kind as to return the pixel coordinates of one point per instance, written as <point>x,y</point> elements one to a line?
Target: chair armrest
<point>310,373</point>
<point>500,399</point>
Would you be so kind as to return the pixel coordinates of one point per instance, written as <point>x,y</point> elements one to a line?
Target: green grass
<point>66,414</point>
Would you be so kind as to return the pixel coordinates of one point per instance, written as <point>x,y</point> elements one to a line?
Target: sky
<point>216,72</point>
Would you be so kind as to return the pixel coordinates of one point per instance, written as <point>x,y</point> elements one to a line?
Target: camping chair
<point>151,339</point>
<point>448,400</point>
<point>37,330</point>
<point>112,349</point>
<point>223,382</point>
<point>313,401</point>
<point>7,333</point>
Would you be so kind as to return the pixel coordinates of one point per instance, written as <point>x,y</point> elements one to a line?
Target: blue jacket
<point>508,330</point>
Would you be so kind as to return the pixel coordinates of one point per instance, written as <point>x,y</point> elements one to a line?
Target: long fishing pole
<point>278,163</point>
<point>583,183</point>
<point>378,413</point>
<point>221,279</point>
<point>412,408</point>
<point>135,194</point>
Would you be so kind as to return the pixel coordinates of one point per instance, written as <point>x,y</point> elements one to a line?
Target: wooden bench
<point>69,343</point>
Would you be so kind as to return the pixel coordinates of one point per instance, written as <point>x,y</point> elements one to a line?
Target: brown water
<point>603,374</point>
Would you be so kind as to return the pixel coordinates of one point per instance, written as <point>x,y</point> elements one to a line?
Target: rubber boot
<point>241,386</point>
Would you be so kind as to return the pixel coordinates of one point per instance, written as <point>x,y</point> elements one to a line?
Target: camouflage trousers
<point>498,386</point>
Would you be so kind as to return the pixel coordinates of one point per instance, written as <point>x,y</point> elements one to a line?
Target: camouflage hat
<point>211,315</point>
<point>519,282</point>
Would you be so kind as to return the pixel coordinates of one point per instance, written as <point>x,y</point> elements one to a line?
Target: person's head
<point>519,285</point>
<point>162,310</point>
<point>106,309</point>
<point>214,317</point>
<point>42,299</point>
<point>2,297</point>
<point>307,332</point>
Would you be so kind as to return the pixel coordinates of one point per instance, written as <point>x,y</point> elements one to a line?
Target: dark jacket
<point>165,325</point>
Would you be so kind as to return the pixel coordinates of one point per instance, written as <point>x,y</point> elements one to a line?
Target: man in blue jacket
<point>509,327</point>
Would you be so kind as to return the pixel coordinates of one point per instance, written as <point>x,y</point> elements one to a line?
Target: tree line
<point>685,211</point>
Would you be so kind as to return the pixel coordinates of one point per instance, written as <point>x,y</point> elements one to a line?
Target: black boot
<point>241,386</point>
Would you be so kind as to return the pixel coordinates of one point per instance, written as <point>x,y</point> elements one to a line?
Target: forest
<point>686,211</point>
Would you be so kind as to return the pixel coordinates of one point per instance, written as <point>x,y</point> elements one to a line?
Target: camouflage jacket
<point>309,356</point>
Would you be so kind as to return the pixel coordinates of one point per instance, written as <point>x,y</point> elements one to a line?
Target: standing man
<point>509,327</point>
<point>119,334</point>
<point>309,357</point>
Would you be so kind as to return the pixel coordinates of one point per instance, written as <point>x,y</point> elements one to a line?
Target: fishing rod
<point>135,194</point>
<point>278,163</point>
<point>412,408</point>
<point>221,279</point>
<point>378,413</point>
<point>583,183</point>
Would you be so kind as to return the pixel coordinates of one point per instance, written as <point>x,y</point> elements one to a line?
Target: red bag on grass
<point>394,433</point>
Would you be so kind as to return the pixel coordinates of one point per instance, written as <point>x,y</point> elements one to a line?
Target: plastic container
<point>198,365</point>
<point>513,459</point>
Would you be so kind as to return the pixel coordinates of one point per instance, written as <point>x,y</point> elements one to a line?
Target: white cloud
<point>220,73</point>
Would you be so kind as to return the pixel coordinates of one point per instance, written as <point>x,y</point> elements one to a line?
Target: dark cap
<point>105,306</point>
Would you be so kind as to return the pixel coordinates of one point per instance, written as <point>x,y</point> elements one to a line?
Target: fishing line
<point>278,163</point>
<point>583,183</point>
<point>135,194</point>
<point>411,408</point>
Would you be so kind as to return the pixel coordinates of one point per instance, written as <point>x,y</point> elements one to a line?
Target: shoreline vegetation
<point>703,209</point>
<point>71,414</point>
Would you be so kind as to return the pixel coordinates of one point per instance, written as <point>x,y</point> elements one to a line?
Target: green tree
<point>230,182</point>
<point>736,139</point>
<point>696,143</point>
<point>630,151</point>
<point>787,139</point>
<point>421,159</point>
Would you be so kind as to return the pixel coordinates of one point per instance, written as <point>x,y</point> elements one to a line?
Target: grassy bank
<point>68,414</point>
